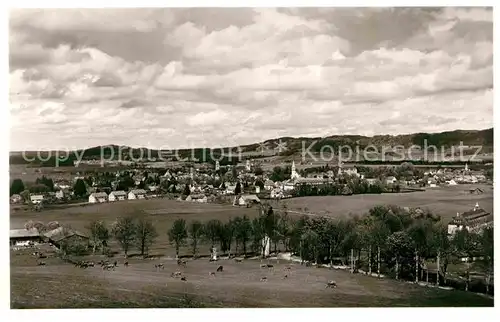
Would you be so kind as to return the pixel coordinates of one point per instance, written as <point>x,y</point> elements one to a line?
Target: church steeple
<point>294,174</point>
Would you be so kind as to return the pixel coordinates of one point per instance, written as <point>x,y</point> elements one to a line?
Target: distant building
<point>268,185</point>
<point>197,198</point>
<point>473,220</point>
<point>246,200</point>
<point>117,195</point>
<point>98,197</point>
<point>137,194</point>
<point>37,198</point>
<point>294,175</point>
<point>391,180</point>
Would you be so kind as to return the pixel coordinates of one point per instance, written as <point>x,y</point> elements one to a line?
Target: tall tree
<point>237,189</point>
<point>124,230</point>
<point>243,232</point>
<point>400,245</point>
<point>80,189</point>
<point>178,234</point>
<point>195,232</point>
<point>145,234</point>
<point>212,228</point>
<point>187,190</point>
<point>466,246</point>
<point>16,187</point>
<point>99,234</point>
<point>486,249</point>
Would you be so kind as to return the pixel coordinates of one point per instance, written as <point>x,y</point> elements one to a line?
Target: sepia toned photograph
<point>286,157</point>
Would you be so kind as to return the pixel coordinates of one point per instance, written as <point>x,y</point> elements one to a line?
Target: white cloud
<point>280,74</point>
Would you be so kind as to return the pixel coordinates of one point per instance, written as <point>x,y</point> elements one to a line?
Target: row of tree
<point>391,240</point>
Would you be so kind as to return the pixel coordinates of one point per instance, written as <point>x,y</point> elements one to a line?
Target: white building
<point>37,198</point>
<point>118,195</point>
<point>98,197</point>
<point>246,200</point>
<point>197,198</point>
<point>294,175</point>
<point>137,194</point>
<point>268,185</point>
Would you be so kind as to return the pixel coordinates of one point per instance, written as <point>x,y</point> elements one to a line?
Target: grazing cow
<point>176,274</point>
<point>90,264</point>
<point>181,263</point>
<point>308,264</point>
<point>220,268</point>
<point>286,276</point>
<point>263,265</point>
<point>263,279</point>
<point>238,260</point>
<point>41,264</point>
<point>288,268</point>
<point>331,284</point>
<point>108,267</point>
<point>158,266</point>
<point>269,266</point>
<point>211,274</point>
<point>183,278</point>
<point>115,263</point>
<point>126,264</point>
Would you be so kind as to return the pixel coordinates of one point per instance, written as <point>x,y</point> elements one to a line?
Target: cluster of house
<point>100,197</point>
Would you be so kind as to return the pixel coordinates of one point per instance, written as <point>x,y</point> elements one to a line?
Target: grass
<point>445,201</point>
<point>60,285</point>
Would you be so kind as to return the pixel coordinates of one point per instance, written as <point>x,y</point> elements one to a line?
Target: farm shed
<point>61,234</point>
<point>24,236</point>
<point>246,200</point>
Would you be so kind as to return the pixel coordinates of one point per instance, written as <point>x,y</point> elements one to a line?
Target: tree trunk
<point>93,249</point>
<point>438,264</point>
<point>488,277</point>
<point>370,260</point>
<point>427,276</point>
<point>397,268</point>
<point>378,261</point>
<point>467,274</point>
<point>176,251</point>
<point>352,260</point>
<point>416,266</point>
<point>330,255</point>
<point>236,250</point>
<point>245,248</point>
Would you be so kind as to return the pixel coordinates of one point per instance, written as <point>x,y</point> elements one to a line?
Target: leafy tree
<point>226,236</point>
<point>25,194</point>
<point>124,230</point>
<point>16,187</point>
<point>195,232</point>
<point>466,245</point>
<point>258,171</point>
<point>400,245</point>
<point>38,188</point>
<point>212,228</point>
<point>187,190</point>
<point>486,248</point>
<point>80,189</point>
<point>243,232</point>
<point>258,235</point>
<point>145,234</point>
<point>237,189</point>
<point>178,234</point>
<point>442,246</point>
<point>420,233</point>
<point>99,234</point>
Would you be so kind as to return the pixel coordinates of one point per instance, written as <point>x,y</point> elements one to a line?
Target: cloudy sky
<point>217,77</point>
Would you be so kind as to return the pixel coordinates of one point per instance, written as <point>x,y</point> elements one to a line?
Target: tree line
<point>388,240</point>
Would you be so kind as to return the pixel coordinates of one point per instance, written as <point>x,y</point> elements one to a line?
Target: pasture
<point>445,201</point>
<point>140,284</point>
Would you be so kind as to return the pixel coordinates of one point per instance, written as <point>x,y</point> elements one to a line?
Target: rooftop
<point>20,233</point>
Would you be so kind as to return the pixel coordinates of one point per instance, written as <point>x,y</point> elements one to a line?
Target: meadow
<point>141,285</point>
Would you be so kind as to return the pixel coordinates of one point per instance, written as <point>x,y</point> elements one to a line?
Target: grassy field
<point>445,201</point>
<point>61,285</point>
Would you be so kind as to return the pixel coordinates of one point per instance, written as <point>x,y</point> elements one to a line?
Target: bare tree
<point>99,234</point>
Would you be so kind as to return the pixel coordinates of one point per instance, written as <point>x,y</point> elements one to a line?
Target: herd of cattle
<point>106,265</point>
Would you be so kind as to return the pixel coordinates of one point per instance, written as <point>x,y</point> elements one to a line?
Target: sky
<point>180,78</point>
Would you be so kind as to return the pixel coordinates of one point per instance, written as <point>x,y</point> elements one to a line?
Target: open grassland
<point>445,201</point>
<point>61,285</point>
